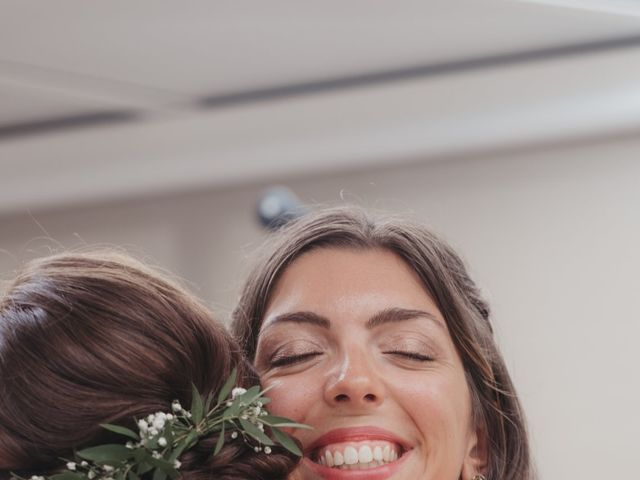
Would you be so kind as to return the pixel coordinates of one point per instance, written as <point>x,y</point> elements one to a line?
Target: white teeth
<point>386,453</point>
<point>359,455</point>
<point>329,458</point>
<point>350,456</point>
<point>364,454</point>
<point>377,454</point>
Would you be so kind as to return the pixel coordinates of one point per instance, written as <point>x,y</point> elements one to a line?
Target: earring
<point>479,477</point>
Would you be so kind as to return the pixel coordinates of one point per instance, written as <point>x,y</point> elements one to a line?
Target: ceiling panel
<point>70,63</point>
<point>23,105</point>
<point>490,112</point>
<point>215,47</point>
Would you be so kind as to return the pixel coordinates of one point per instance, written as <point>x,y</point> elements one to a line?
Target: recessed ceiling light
<point>620,7</point>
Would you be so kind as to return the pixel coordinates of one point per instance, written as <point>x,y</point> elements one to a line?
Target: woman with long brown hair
<point>98,338</point>
<point>371,330</point>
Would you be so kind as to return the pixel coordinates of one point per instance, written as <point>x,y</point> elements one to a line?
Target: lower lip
<point>376,473</point>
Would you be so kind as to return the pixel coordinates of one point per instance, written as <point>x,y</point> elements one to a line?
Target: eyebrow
<point>394,315</point>
<point>302,317</point>
<point>388,315</point>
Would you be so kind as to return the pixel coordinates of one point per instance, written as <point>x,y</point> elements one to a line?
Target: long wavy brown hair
<point>496,408</point>
<point>94,338</point>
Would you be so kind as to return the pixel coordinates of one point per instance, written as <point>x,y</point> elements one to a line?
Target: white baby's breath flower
<point>234,435</point>
<point>267,450</point>
<point>177,464</point>
<point>143,426</point>
<point>71,465</point>
<point>107,468</point>
<point>156,455</point>
<point>238,391</point>
<point>84,463</point>
<point>176,407</point>
<point>162,442</point>
<point>91,474</point>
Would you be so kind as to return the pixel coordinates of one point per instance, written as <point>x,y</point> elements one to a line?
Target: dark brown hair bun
<point>96,338</point>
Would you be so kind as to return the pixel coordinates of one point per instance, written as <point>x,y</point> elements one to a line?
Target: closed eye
<point>410,355</point>
<point>283,361</point>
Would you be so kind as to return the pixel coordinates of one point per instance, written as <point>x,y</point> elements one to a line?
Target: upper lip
<point>356,434</point>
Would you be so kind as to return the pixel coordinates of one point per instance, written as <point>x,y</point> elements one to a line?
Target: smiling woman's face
<point>352,345</point>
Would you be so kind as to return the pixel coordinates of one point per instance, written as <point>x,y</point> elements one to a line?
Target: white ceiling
<point>71,56</point>
<point>145,67</point>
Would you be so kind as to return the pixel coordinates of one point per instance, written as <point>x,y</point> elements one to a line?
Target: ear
<point>477,456</point>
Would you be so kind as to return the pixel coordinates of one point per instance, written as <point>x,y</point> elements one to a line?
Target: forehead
<point>348,281</point>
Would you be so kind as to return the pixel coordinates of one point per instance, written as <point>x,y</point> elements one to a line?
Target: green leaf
<point>192,439</point>
<point>159,474</point>
<point>241,402</point>
<point>286,441</point>
<point>132,475</point>
<point>143,468</point>
<point>162,464</point>
<point>67,476</point>
<point>207,403</point>
<point>228,386</point>
<point>165,467</point>
<point>185,444</point>
<point>274,421</point>
<point>233,410</point>
<point>196,405</point>
<point>255,432</point>
<point>120,430</point>
<point>140,455</point>
<point>220,442</point>
<point>250,395</point>
<point>111,453</point>
<point>168,434</point>
<point>152,443</point>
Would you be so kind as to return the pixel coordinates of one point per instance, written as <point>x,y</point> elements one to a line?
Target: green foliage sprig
<point>162,437</point>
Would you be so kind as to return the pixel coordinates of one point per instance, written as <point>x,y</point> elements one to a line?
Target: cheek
<point>439,405</point>
<point>292,397</point>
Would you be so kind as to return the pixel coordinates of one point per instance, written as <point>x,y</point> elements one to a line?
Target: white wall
<point>552,237</point>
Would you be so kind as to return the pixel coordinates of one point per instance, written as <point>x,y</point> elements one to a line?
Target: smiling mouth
<point>357,455</point>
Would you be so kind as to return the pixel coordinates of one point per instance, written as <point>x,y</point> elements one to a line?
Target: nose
<point>355,383</point>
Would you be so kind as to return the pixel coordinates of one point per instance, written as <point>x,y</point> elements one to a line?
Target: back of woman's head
<point>88,339</point>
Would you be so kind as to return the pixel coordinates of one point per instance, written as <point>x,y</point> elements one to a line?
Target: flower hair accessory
<point>162,437</point>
